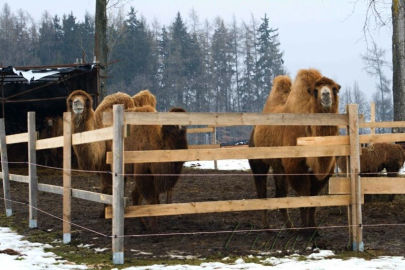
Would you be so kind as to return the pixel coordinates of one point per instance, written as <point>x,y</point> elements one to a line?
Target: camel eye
<point>316,93</point>
<point>309,90</point>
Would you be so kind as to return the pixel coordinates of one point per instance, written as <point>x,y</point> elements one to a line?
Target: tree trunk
<point>100,44</point>
<point>398,59</point>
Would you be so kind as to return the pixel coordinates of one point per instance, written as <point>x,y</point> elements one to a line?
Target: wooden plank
<point>370,185</point>
<point>214,141</point>
<point>96,135</point>
<point>17,138</point>
<point>92,196</point>
<point>50,143</point>
<point>32,171</point>
<point>355,184</point>
<point>50,188</point>
<point>391,124</point>
<point>226,119</point>
<point>67,176</point>
<point>372,116</point>
<point>118,183</point>
<point>232,206</point>
<point>4,169</point>
<point>232,153</point>
<point>204,146</point>
<point>20,178</point>
<point>344,140</point>
<point>200,130</point>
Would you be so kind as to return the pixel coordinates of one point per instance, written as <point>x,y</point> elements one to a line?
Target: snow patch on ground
<point>319,260</point>
<point>22,254</point>
<point>228,164</point>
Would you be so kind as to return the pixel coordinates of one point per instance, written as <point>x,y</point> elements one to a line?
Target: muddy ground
<point>210,185</point>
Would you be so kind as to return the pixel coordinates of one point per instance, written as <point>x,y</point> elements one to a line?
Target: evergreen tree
<point>223,71</point>
<point>269,63</point>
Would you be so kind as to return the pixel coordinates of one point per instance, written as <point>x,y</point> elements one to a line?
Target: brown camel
<point>310,93</point>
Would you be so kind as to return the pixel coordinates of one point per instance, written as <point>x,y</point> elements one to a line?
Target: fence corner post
<point>118,185</point>
<point>355,181</point>
<point>67,176</point>
<point>4,169</point>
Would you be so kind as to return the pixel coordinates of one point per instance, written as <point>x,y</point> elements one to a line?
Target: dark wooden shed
<point>42,89</point>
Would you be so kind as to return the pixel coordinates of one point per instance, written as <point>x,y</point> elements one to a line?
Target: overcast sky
<point>324,34</point>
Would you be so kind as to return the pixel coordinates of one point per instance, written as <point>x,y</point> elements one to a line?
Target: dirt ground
<point>210,185</point>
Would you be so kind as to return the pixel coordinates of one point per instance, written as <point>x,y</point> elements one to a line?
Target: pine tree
<point>269,63</point>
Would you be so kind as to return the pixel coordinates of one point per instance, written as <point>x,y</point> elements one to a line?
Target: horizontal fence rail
<point>370,185</point>
<point>344,140</point>
<point>229,119</point>
<point>17,138</point>
<point>76,193</point>
<point>232,153</point>
<point>232,206</point>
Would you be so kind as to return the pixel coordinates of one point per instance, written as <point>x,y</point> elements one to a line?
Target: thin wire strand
<point>198,174</point>
<point>204,232</point>
<point>56,217</point>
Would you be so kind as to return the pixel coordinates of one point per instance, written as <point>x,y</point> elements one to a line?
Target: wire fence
<point>205,232</point>
<point>382,173</point>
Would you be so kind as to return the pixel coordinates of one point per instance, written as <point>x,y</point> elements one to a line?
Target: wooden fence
<point>343,191</point>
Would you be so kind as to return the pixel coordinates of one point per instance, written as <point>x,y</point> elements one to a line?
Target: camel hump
<point>282,84</point>
<point>144,97</point>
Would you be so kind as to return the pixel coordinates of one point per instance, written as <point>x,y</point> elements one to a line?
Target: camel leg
<point>257,166</point>
<point>169,196</point>
<point>281,191</point>
<point>316,187</point>
<point>106,188</point>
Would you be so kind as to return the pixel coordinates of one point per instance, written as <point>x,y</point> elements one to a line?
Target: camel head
<point>175,136</point>
<point>79,102</point>
<point>325,94</point>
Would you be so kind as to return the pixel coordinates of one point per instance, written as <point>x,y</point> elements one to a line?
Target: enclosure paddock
<point>350,191</point>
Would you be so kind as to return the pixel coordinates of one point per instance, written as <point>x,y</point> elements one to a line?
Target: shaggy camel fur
<point>154,178</point>
<point>89,156</point>
<point>277,97</point>
<point>144,97</point>
<point>52,127</point>
<point>107,106</point>
<point>310,93</point>
<point>376,157</point>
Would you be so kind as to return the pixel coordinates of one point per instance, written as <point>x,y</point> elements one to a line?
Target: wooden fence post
<point>32,171</point>
<point>355,184</point>
<point>372,116</point>
<point>118,185</point>
<point>214,141</point>
<point>4,169</point>
<point>67,176</point>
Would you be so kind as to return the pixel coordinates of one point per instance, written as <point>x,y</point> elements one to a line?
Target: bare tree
<point>100,43</point>
<point>398,59</point>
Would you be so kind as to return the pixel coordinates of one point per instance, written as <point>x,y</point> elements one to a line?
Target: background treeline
<point>201,66</point>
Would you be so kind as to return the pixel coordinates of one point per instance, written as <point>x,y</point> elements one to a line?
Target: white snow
<point>32,76</point>
<point>32,255</point>
<point>228,164</point>
<point>317,261</point>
